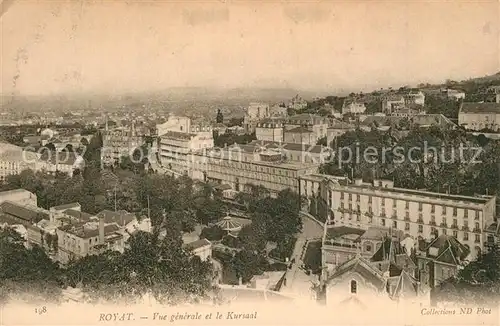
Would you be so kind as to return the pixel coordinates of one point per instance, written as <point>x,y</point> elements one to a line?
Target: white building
<point>254,113</point>
<point>270,130</point>
<point>15,159</point>
<point>421,214</point>
<point>478,116</point>
<point>353,107</point>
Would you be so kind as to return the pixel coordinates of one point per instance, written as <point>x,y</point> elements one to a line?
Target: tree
<point>212,233</point>
<point>220,117</point>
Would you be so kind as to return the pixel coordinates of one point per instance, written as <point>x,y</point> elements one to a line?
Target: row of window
<point>407,206</point>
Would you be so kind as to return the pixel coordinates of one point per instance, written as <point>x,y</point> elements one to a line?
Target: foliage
<point>230,138</point>
<point>212,233</point>
<point>478,282</point>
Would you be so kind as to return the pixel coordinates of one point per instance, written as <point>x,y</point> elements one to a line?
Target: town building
<point>175,148</point>
<point>454,94</point>
<point>119,142</point>
<point>297,103</point>
<point>338,128</point>
<point>441,259</point>
<point>351,106</point>
<point>479,116</point>
<point>305,128</point>
<point>270,129</point>
<point>64,162</point>
<point>421,120</point>
<point>278,111</point>
<point>15,159</point>
<point>420,214</point>
<point>201,248</point>
<point>254,113</point>
<point>239,165</point>
<point>415,97</point>
<point>391,102</point>
<point>407,111</point>
<point>294,152</point>
<point>86,238</point>
<point>19,196</point>
<point>174,123</point>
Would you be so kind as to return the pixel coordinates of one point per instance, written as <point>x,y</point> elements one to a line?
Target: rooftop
<point>421,193</point>
<point>81,216</point>
<point>65,206</point>
<point>178,135</point>
<point>197,244</point>
<point>27,213</point>
<point>122,217</point>
<point>480,108</point>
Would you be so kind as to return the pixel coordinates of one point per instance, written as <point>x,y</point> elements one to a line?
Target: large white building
<point>421,214</point>
<point>270,130</point>
<point>19,196</point>
<point>353,107</point>
<point>240,165</point>
<point>15,159</point>
<point>178,138</point>
<point>478,116</point>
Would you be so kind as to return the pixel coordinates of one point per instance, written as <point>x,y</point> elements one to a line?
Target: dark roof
<point>338,231</point>
<point>406,287</point>
<point>363,267</point>
<point>83,232</point>
<point>178,135</point>
<point>26,213</point>
<point>286,146</point>
<point>82,216</point>
<point>392,257</point>
<point>65,206</point>
<point>450,250</point>
<point>197,244</point>
<point>480,107</point>
<point>121,218</point>
<point>299,130</point>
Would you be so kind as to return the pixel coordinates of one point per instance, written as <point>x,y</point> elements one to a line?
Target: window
<point>420,206</point>
<point>350,196</point>
<point>407,205</point>
<point>383,222</point>
<point>444,231</point>
<point>444,209</point>
<point>369,199</point>
<point>342,205</point>
<point>394,203</point>
<point>454,211</point>
<point>357,198</point>
<point>354,287</point>
<point>433,208</point>
<point>466,213</point>
<point>455,234</point>
<point>476,226</point>
<point>477,238</point>
<point>477,215</point>
<point>383,202</point>
<point>420,228</point>
<point>466,236</point>
<point>466,224</point>
<point>407,226</point>
<point>341,195</point>
<point>350,207</point>
<point>395,224</point>
<point>407,215</point>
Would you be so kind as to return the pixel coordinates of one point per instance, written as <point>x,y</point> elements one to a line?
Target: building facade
<point>353,107</point>
<point>479,116</point>
<point>20,196</point>
<point>240,165</point>
<point>421,214</point>
<point>15,159</point>
<point>270,130</point>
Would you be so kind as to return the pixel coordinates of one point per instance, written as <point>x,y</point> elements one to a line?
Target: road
<point>298,282</point>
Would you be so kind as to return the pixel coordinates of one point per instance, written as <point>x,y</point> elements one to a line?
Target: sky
<point>110,46</point>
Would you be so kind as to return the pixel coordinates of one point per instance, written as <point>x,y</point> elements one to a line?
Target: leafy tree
<point>212,233</point>
<point>220,117</point>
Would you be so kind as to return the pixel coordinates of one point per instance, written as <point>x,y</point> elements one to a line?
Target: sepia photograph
<point>249,162</point>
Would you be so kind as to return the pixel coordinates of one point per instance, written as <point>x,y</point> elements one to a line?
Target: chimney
<point>101,230</point>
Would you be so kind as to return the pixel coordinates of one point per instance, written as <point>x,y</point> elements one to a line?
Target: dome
<point>227,224</point>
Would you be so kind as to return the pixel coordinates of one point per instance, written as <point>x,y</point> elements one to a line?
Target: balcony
<point>465,228</point>
<point>421,221</point>
<point>407,218</point>
<point>432,223</point>
<point>443,224</point>
<point>454,226</point>
<point>394,217</point>
<point>476,230</point>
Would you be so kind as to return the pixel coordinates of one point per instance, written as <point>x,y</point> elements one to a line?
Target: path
<point>298,282</point>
